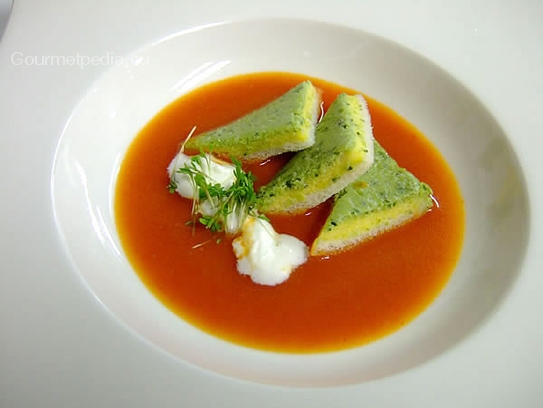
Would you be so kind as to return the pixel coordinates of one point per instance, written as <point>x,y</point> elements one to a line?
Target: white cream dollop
<point>216,171</point>
<point>266,256</point>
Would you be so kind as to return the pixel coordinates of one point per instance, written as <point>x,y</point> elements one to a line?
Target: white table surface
<point>5,9</point>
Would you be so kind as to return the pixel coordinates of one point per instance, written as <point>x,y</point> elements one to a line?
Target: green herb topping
<point>214,206</point>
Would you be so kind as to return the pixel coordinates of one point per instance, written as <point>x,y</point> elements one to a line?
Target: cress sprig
<point>232,204</point>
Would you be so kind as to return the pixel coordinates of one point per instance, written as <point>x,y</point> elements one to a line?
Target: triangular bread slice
<point>343,150</point>
<point>383,198</point>
<point>286,124</point>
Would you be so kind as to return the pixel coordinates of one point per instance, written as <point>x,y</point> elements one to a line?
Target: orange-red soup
<point>328,303</point>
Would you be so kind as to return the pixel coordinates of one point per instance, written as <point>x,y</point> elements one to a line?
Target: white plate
<point>64,345</point>
<point>105,122</point>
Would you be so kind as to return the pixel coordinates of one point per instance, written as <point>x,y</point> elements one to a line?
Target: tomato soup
<point>328,303</point>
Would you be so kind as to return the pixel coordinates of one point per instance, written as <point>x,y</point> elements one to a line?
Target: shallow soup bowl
<point>129,94</point>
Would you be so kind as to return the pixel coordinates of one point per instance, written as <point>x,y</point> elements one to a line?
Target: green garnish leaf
<point>172,186</point>
<point>229,206</point>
